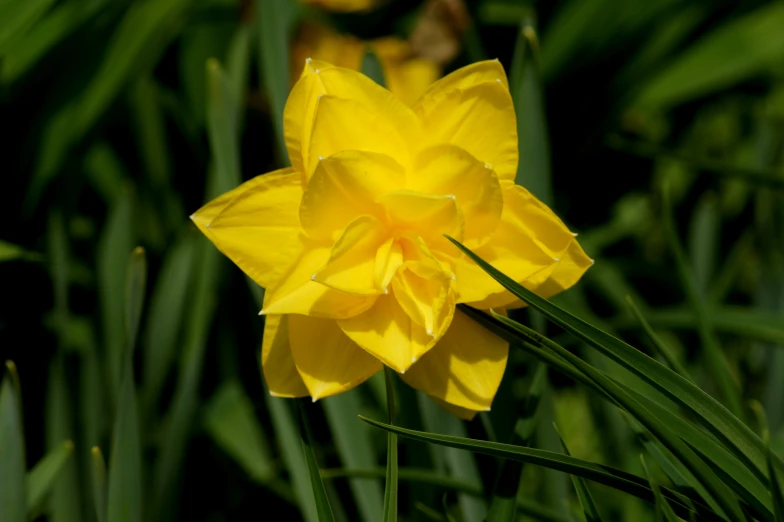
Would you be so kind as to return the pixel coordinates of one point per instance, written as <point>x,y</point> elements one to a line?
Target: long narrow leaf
<point>583,493</point>
<point>99,481</point>
<point>663,510</point>
<point>323,506</point>
<point>42,476</point>
<point>615,478</point>
<point>775,489</point>
<point>390,488</point>
<point>737,437</point>
<point>12,461</point>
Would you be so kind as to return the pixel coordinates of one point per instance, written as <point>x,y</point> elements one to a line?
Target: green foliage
<point>656,129</point>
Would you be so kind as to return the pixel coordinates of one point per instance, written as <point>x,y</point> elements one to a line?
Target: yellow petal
<point>423,299</point>
<point>281,374</point>
<point>343,124</point>
<point>569,270</point>
<point>296,293</point>
<point>409,80</point>
<point>430,216</point>
<point>388,333</point>
<point>345,186</point>
<point>388,259</point>
<point>479,119</point>
<point>465,77</point>
<point>465,367</point>
<point>250,223</point>
<point>320,79</point>
<point>328,361</point>
<point>299,112</point>
<point>351,267</point>
<point>446,169</point>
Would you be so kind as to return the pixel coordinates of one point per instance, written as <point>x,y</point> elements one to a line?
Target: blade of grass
<point>606,475</point>
<point>737,437</point>
<point>390,487</point>
<point>323,506</point>
<point>723,463</point>
<point>663,510</point>
<point>11,252</point>
<point>583,494</point>
<point>352,439</point>
<point>166,315</point>
<point>229,419</point>
<point>415,475</point>
<point>273,22</point>
<point>18,18</point>
<point>661,348</point>
<point>775,488</point>
<point>124,498</point>
<point>12,456</point>
<point>716,359</point>
<point>503,505</point>
<point>533,170</point>
<point>100,490</point>
<point>135,287</point>
<point>222,126</point>
<point>41,478</point>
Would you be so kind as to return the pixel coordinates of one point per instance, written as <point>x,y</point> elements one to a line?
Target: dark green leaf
<point>775,488</point>
<point>124,502</point>
<point>323,506</point>
<point>100,488</point>
<point>12,452</point>
<point>583,494</point>
<point>42,476</point>
<point>390,488</point>
<point>663,509</point>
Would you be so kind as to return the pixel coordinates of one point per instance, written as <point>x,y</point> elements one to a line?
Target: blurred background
<point>120,118</point>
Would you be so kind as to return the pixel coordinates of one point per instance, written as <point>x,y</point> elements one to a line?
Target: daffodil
<point>349,242</point>
<point>406,75</point>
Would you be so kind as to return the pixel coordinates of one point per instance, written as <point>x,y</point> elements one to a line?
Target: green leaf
<point>114,247</point>
<point>615,478</point>
<point>98,476</point>
<point>715,357</point>
<point>583,494</point>
<point>135,45</point>
<point>182,413</point>
<point>390,488</point>
<point>663,509</point>
<point>166,314</point>
<point>371,67</point>
<point>736,436</point>
<point>718,491</point>
<point>124,500</point>
<point>222,129</point>
<point>723,463</point>
<point>12,456</point>
<point>533,170</point>
<point>323,506</point>
<point>741,48</point>
<point>661,348</point>
<point>503,505</point>
<point>415,475</point>
<point>274,19</point>
<point>135,287</point>
<point>41,478</point>
<point>11,252</point>
<point>229,419</point>
<point>18,18</point>
<point>775,488</point>
<point>353,442</point>
<point>61,21</point>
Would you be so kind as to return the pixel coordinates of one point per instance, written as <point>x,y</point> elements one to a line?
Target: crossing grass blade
<point>716,359</point>
<point>42,476</point>
<point>615,478</point>
<point>12,460</point>
<point>323,507</point>
<point>716,418</point>
<point>503,506</point>
<point>739,477</point>
<point>661,348</point>
<point>663,511</point>
<point>775,489</point>
<point>390,487</point>
<point>583,494</point>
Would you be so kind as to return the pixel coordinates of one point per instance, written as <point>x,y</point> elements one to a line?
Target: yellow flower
<point>407,76</point>
<point>349,241</point>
